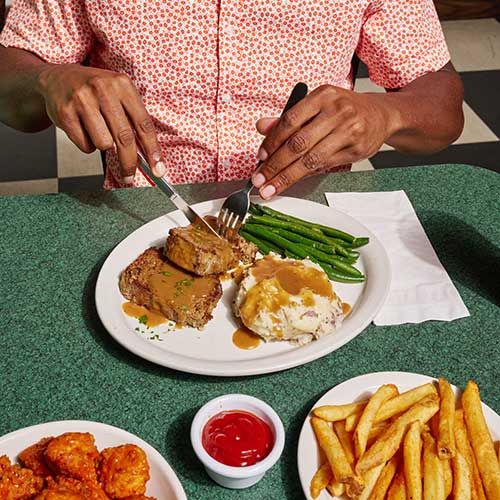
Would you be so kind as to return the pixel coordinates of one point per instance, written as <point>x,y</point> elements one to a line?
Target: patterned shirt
<point>207,70</point>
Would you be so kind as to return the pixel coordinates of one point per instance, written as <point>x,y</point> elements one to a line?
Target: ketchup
<point>237,438</point>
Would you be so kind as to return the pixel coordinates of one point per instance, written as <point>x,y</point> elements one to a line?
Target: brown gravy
<point>135,311</point>
<point>245,339</point>
<point>277,281</point>
<point>346,309</point>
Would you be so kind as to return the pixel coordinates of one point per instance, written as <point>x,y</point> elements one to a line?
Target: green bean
<point>263,246</point>
<point>298,229</point>
<point>360,242</point>
<point>328,231</point>
<point>333,261</point>
<point>255,209</point>
<point>297,238</point>
<point>335,275</point>
<point>266,234</point>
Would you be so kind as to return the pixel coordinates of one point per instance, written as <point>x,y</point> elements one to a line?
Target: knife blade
<point>174,196</point>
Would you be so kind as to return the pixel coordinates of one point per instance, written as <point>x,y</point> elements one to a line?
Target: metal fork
<point>236,205</point>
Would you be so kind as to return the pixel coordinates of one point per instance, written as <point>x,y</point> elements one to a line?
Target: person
<point>194,83</point>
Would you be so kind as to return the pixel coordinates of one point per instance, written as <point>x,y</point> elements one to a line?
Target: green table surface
<point>57,361</point>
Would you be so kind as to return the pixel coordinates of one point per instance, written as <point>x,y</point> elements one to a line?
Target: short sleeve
<point>400,41</point>
<point>57,31</point>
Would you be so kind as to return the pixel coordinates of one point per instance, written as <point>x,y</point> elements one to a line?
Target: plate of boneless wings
<point>82,460</point>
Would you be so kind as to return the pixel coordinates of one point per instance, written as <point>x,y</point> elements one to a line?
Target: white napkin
<point>420,288</point>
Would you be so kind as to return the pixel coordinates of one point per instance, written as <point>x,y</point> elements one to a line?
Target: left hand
<point>328,128</point>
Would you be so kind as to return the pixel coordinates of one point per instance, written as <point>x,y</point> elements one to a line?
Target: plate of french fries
<point>397,436</point>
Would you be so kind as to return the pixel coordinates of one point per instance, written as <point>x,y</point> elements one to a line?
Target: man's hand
<point>100,109</point>
<point>328,128</point>
<point>334,126</point>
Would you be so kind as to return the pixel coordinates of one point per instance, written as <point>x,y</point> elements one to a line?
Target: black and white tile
<point>48,162</point>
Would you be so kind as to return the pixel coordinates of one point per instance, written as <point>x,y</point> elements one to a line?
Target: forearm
<point>21,104</point>
<point>425,116</point>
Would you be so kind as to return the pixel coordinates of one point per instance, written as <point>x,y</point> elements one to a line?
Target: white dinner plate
<point>211,351</point>
<point>359,389</point>
<point>163,484</point>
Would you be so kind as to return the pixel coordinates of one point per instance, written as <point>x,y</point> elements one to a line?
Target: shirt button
<point>226,97</point>
<point>226,164</point>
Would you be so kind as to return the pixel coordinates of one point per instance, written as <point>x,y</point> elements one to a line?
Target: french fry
<point>321,479</point>
<point>385,479</point>
<point>345,441</point>
<point>480,439</point>
<point>447,476</point>
<point>375,432</point>
<point>330,444</point>
<point>464,448</point>
<point>446,438</point>
<point>462,483</point>
<point>412,454</point>
<point>336,489</point>
<point>498,451</point>
<point>388,443</point>
<point>333,413</point>
<point>352,420</point>
<point>401,403</point>
<point>397,491</point>
<point>369,479</point>
<point>361,433</point>
<point>433,475</point>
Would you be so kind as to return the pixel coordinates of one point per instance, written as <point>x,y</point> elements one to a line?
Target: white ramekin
<point>226,475</point>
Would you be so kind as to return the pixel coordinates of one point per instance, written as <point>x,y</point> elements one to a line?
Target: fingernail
<point>129,179</point>
<point>160,169</point>
<point>262,154</point>
<point>258,180</point>
<point>156,156</point>
<point>268,191</point>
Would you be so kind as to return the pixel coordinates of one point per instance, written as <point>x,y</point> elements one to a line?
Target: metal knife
<point>174,196</point>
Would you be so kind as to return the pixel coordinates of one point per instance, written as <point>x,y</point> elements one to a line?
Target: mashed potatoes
<point>287,299</point>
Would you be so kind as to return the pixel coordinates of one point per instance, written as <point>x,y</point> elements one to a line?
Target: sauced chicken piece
<point>85,489</point>
<point>197,250</point>
<point>17,483</point>
<point>139,497</point>
<point>151,281</point>
<point>33,457</point>
<point>124,471</point>
<point>58,494</point>
<point>73,454</point>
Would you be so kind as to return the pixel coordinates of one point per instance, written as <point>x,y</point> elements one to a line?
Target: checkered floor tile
<point>48,162</point>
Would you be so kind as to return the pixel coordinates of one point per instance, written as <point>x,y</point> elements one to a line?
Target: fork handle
<point>298,93</point>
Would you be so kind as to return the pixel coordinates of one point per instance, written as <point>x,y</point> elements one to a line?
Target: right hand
<point>101,109</point>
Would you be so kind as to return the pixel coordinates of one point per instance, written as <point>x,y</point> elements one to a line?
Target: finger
<point>333,150</point>
<point>95,125</point>
<point>290,123</point>
<point>123,135</point>
<point>296,145</point>
<point>69,121</point>
<point>145,131</point>
<point>264,125</point>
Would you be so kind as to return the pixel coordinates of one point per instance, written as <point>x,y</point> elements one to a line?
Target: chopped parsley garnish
<point>184,308</point>
<point>143,319</point>
<point>166,273</point>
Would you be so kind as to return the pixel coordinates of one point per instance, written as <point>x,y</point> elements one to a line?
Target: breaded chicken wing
<point>139,497</point>
<point>17,483</point>
<point>73,454</point>
<point>87,490</point>
<point>123,471</point>
<point>59,491</point>
<point>33,457</point>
